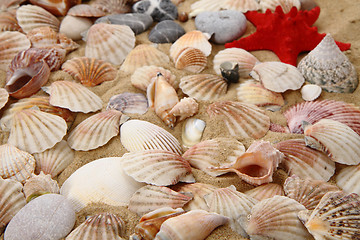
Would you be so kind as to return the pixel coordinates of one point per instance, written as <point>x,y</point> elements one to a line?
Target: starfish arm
<point>311,16</point>
<point>257,18</point>
<point>253,42</point>
<point>343,46</point>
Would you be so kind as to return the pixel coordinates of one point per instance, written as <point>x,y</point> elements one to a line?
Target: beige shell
<point>348,179</point>
<point>192,131</point>
<point>42,37</point>
<point>73,96</point>
<point>337,140</point>
<point>56,7</point>
<point>15,163</point>
<point>266,191</point>
<point>205,5</point>
<point>8,22</point>
<point>67,43</point>
<point>241,5</point>
<point>109,42</point>
<point>85,10</point>
<point>10,4</point>
<point>187,107</point>
<point>113,6</point>
<point>38,185</point>
<point>204,87</point>
<point>310,92</point>
<point>4,97</point>
<point>191,59</point>
<point>286,5</point>
<point>127,102</point>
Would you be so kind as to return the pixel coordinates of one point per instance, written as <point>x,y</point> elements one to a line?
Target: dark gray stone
<point>166,31</point>
<point>159,10</point>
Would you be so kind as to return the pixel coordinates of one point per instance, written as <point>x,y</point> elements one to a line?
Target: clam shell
<point>4,97</point>
<point>336,139</point>
<point>286,5</point>
<point>242,120</point>
<point>277,76</point>
<point>15,163</point>
<point>112,6</point>
<point>192,131</point>
<point>38,185</point>
<point>348,179</point>
<point>203,87</point>
<point>265,191</point>
<point>166,31</point>
<point>128,103</point>
<point>305,162</point>
<point>56,7</point>
<point>191,59</point>
<point>73,96</point>
<point>310,92</point>
<point>85,10</point>
<point>187,107</point>
<point>8,22</point>
<point>109,42</point>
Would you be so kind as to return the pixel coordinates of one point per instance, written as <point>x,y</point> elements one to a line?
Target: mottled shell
<point>286,5</point>
<point>265,191</point>
<point>42,37</point>
<point>348,179</point>
<point>4,97</point>
<point>38,185</point>
<point>166,31</point>
<point>187,107</point>
<point>310,92</point>
<point>8,22</point>
<point>191,59</point>
<point>192,131</point>
<point>128,103</point>
<point>85,10</point>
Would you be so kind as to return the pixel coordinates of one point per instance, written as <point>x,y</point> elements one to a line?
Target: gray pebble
<point>159,10</point>
<point>166,31</point>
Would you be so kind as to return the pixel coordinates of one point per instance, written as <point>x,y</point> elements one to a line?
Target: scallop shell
<point>204,87</point>
<point>277,76</point>
<point>241,5</point>
<point>348,179</point>
<point>205,5</point>
<point>89,71</point>
<point>166,31</point>
<point>191,59</point>
<point>112,6</point>
<point>150,198</point>
<point>85,10</point>
<point>8,22</point>
<point>336,139</point>
<point>128,103</point>
<point>242,120</point>
<point>4,97</point>
<point>335,217</point>
<point>310,92</point>
<point>6,5</point>
<point>265,191</point>
<point>187,107</point>
<point>329,68</point>
<point>54,160</point>
<point>30,17</point>
<point>109,42</point>
<point>73,96</point>
<point>305,162</point>
<point>15,163</point>
<point>286,5</point>
<point>42,37</point>
<point>192,131</point>
<point>99,226</point>
<point>137,135</point>
<point>108,184</point>
<point>143,55</point>
<point>38,185</point>
<point>96,130</point>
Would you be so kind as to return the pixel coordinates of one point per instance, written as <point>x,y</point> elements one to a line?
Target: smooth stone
<point>224,26</point>
<point>166,31</point>
<point>72,26</point>
<point>159,10</point>
<point>48,217</point>
<point>138,22</point>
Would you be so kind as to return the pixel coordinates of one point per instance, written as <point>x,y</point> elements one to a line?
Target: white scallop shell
<point>310,92</point>
<point>286,5</point>
<point>4,97</point>
<point>348,179</point>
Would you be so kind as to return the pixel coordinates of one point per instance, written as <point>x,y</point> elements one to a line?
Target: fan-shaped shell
<point>8,22</point>
<point>4,97</point>
<point>42,37</point>
<point>266,191</point>
<point>205,5</point>
<point>241,5</point>
<point>38,185</point>
<point>191,59</point>
<point>166,31</point>
<point>112,6</point>
<point>85,10</point>
<point>128,103</point>
<point>109,42</point>
<point>348,179</point>
<point>286,5</point>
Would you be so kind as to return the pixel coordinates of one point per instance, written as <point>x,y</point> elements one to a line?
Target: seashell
<point>43,37</point>
<point>195,224</point>
<point>66,43</point>
<point>329,68</point>
<point>96,130</point>
<point>214,153</point>
<point>10,4</point>
<point>150,198</point>
<point>8,22</point>
<point>15,163</point>
<point>157,167</point>
<point>11,200</point>
<point>11,43</point>
<point>245,60</point>
<point>310,92</point>
<point>204,87</point>
<point>112,6</point>
<point>39,185</point>
<point>128,103</point>
<point>305,162</point>
<point>192,131</point>
<point>286,5</point>
<point>30,17</point>
<point>166,31</point>
<point>56,7</point>
<point>72,26</point>
<point>108,184</point>
<point>4,97</point>
<point>187,107</point>
<point>137,135</point>
<point>35,131</point>
<point>54,160</point>
<point>159,10</point>
<point>335,139</point>
<point>99,226</point>
<point>348,179</point>
<point>73,96</point>
<point>276,217</point>
<point>109,42</point>
<point>312,112</point>
<point>143,76</point>
<point>277,76</point>
<point>191,59</point>
<point>308,192</point>
<point>335,217</point>
<point>265,191</point>
<point>242,120</point>
<point>216,5</point>
<point>89,71</point>
<point>230,71</point>
<point>274,127</point>
<point>85,10</point>
<point>143,55</point>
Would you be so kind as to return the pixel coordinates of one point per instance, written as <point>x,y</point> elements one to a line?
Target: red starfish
<point>285,34</point>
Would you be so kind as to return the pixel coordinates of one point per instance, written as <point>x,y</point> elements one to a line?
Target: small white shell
<point>310,92</point>
<point>192,131</point>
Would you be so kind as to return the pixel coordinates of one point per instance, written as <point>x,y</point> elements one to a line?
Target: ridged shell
<point>89,71</point>
<point>112,6</point>
<point>216,5</point>
<point>277,76</point>
<point>39,185</point>
<point>204,87</point>
<point>96,131</point>
<point>128,103</point>
<point>329,68</point>
<point>307,192</point>
<point>336,139</point>
<point>166,31</point>
<point>286,5</point>
<point>304,161</point>
<point>242,120</point>
<point>157,167</point>
<point>276,217</point>
<point>35,131</point>
<point>73,96</point>
<point>85,10</point>
<point>56,7</point>
<point>99,226</point>
<point>310,92</point>
<point>15,163</point>
<point>109,42</point>
<point>191,59</point>
<point>42,37</point>
<point>192,131</point>
<point>150,198</point>
<point>348,179</point>
<point>54,160</point>
<point>266,191</point>
<point>187,107</point>
<point>137,135</point>
<point>30,17</point>
<point>4,97</point>
<point>8,22</point>
<point>143,55</point>
<point>6,5</point>
<point>108,184</point>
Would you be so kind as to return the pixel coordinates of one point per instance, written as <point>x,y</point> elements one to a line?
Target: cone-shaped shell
<point>205,87</point>
<point>4,97</point>
<point>8,22</point>
<point>266,191</point>
<point>109,42</point>
<point>128,103</point>
<point>38,185</point>
<point>286,5</point>
<point>35,131</point>
<point>191,59</point>
<point>85,10</point>
<point>187,107</point>
<point>348,179</point>
<point>336,139</point>
<point>278,76</point>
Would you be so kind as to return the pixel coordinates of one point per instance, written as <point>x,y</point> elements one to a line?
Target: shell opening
<point>19,79</point>
<point>253,164</point>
